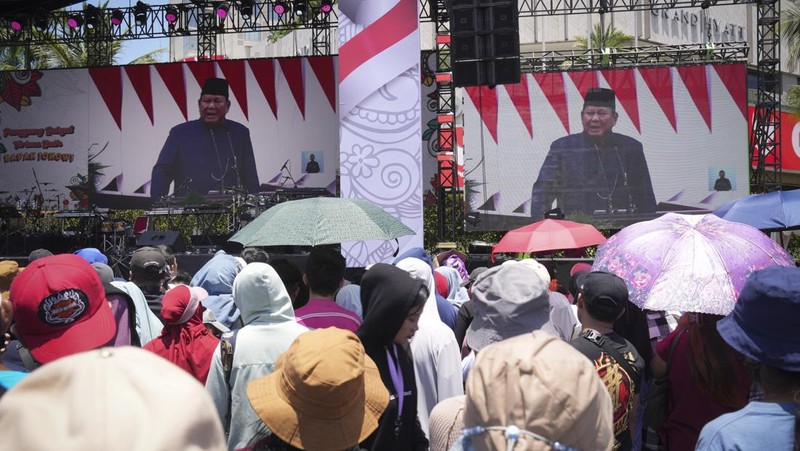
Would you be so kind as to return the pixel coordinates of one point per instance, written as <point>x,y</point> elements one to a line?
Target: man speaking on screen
<point>596,171</point>
<point>209,154</point>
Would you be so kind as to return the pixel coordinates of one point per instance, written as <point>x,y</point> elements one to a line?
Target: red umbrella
<point>548,235</point>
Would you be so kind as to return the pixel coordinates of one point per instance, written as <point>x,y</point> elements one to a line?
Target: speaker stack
<point>484,46</point>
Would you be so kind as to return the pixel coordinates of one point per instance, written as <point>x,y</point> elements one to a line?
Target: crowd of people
<point>254,353</point>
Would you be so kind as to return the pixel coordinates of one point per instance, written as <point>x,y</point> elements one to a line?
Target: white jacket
<point>269,329</point>
<point>436,355</point>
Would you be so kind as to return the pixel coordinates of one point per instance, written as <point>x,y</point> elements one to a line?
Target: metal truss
<point>152,23</point>
<point>649,56</point>
<point>765,139</point>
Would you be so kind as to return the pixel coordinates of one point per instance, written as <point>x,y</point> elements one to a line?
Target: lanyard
<point>397,380</point>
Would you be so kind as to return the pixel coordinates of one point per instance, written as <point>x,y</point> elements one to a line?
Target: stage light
<point>40,20</point>
<point>171,14</point>
<point>300,8</point>
<point>15,23</point>
<point>140,12</point>
<point>222,10</point>
<point>326,6</point>
<point>246,10</point>
<point>116,17</point>
<point>92,16</point>
<point>75,20</point>
<point>280,8</point>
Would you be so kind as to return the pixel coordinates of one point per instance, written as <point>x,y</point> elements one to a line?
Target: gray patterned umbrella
<point>320,220</point>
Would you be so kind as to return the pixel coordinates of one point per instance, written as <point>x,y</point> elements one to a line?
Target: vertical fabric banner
<point>380,117</point>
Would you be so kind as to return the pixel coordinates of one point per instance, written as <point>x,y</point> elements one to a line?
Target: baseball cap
<point>148,261</point>
<point>60,307</point>
<point>604,294</point>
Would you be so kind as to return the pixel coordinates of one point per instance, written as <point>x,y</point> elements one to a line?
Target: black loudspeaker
<point>169,238</point>
<point>484,46</point>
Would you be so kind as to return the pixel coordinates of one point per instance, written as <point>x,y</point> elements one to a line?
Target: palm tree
<point>73,54</point>
<point>611,38</point>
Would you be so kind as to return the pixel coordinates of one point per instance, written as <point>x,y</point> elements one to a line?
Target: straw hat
<point>325,393</point>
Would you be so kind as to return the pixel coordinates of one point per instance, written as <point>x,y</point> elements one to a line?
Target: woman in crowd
<point>706,379</point>
<point>185,340</point>
<point>392,301</point>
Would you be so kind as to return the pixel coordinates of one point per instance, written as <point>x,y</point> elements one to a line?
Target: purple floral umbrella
<point>693,263</point>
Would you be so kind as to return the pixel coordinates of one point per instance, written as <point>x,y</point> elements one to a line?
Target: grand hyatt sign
<point>693,19</point>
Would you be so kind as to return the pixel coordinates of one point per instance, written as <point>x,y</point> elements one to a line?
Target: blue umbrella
<point>778,210</point>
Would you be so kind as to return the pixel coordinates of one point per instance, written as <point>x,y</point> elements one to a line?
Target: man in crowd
<point>601,300</point>
<point>324,276</point>
<point>149,271</point>
<point>596,171</point>
<point>211,153</point>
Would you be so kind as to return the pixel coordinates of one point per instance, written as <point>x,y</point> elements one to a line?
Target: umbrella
<point>778,210</point>
<point>320,220</point>
<point>695,263</point>
<point>548,235</point>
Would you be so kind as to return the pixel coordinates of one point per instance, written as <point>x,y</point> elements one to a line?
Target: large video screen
<point>608,147</point>
<point>78,137</point>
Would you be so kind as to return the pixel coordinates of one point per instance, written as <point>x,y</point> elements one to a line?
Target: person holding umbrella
<point>763,329</point>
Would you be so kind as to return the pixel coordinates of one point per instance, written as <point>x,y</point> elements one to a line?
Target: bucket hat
<point>509,300</point>
<point>325,392</point>
<point>122,398</point>
<point>765,319</point>
<point>541,389</point>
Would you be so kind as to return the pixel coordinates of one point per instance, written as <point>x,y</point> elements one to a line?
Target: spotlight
<point>326,6</point>
<point>140,12</point>
<point>92,16</point>
<point>75,21</point>
<point>171,14</point>
<point>300,8</point>
<point>40,20</point>
<point>246,10</point>
<point>15,23</point>
<point>116,17</point>
<point>280,8</point>
<point>222,10</point>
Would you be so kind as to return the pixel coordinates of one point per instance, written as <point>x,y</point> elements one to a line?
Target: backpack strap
<point>599,340</point>
<point>227,347</point>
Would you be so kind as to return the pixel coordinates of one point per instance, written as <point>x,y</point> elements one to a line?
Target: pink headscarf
<point>185,341</point>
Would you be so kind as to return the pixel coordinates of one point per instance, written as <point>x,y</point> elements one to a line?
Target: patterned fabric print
<point>620,387</point>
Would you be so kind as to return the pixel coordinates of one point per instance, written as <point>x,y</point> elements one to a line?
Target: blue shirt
<point>200,158</point>
<point>759,425</point>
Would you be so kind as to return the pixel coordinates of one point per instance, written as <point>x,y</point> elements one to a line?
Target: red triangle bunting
<point>659,81</point>
<point>552,84</point>
<point>485,101</point>
<point>323,69</point>
<point>264,72</point>
<point>733,77</point>
<point>234,72</point>
<point>202,71</point>
<point>584,80</point>
<point>623,83</point>
<point>520,98</point>
<point>696,81</point>
<point>139,75</point>
<point>293,72</point>
<point>172,74</point>
<point>109,83</point>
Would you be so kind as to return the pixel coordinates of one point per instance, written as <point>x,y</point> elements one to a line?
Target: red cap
<point>60,307</point>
